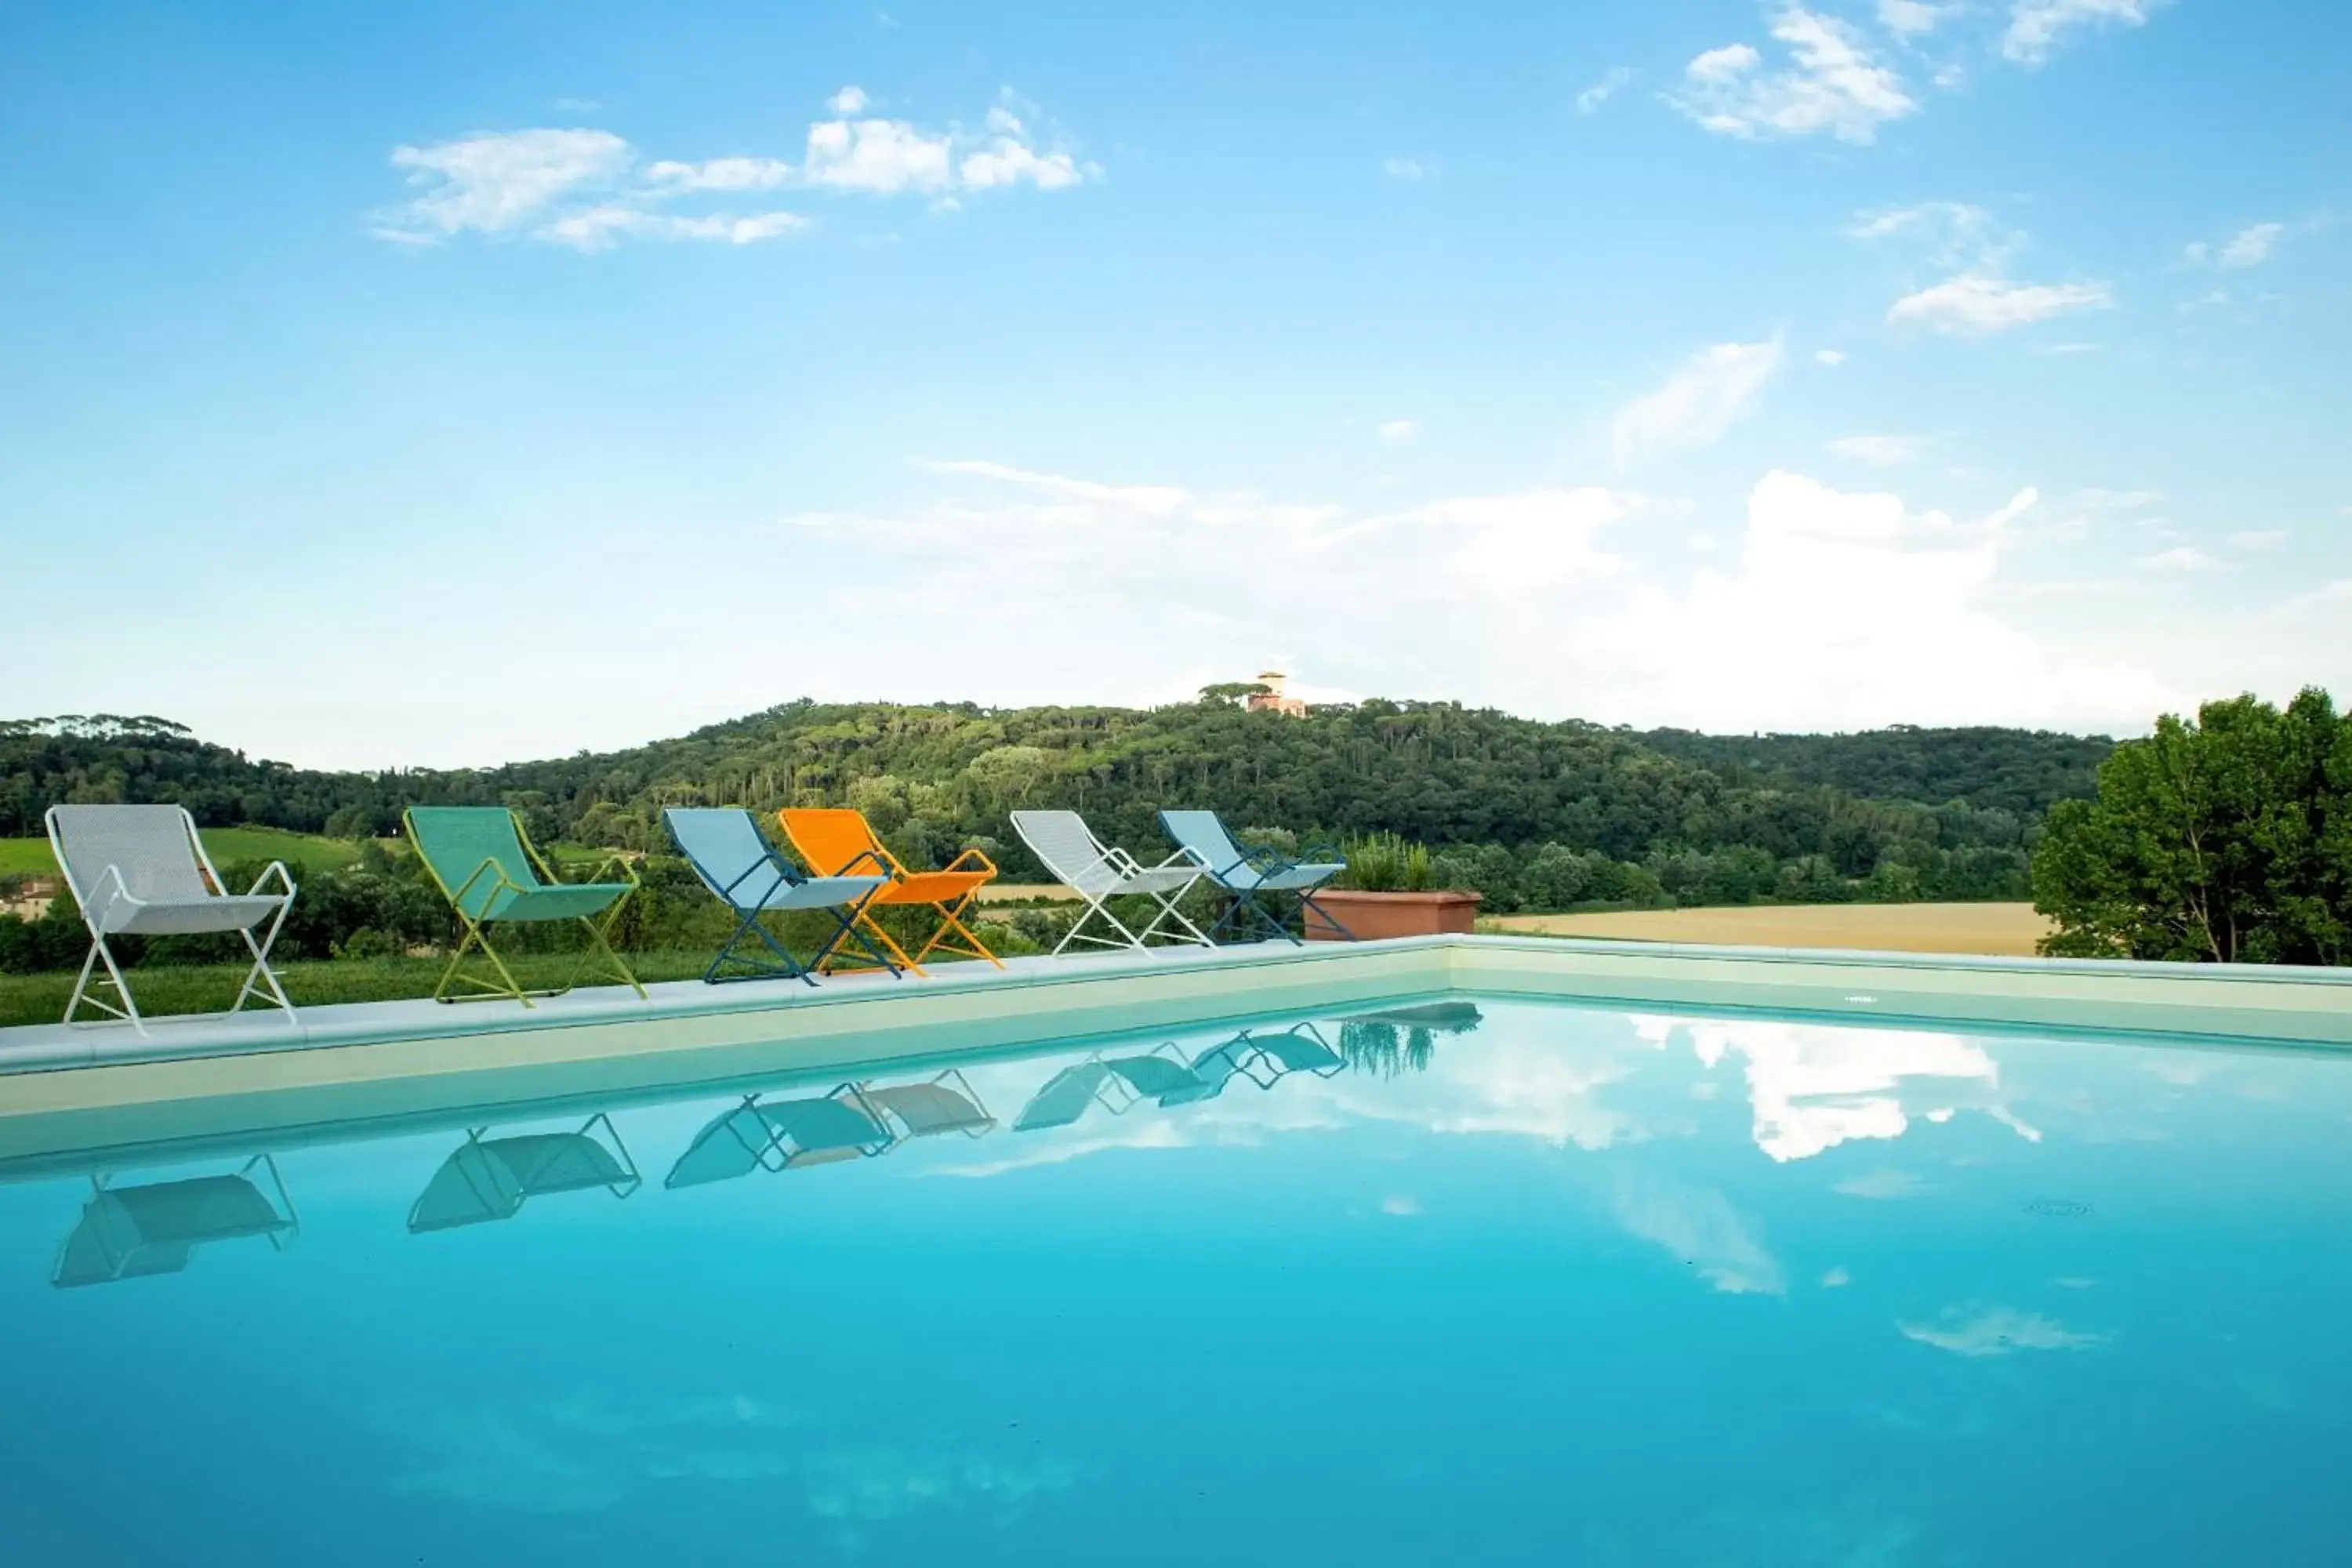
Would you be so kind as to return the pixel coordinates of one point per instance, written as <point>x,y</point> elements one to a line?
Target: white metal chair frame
<point>109,907</point>
<point>1181,871</point>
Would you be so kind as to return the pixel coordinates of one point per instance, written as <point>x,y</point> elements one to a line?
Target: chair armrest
<point>95,915</point>
<point>275,868</point>
<point>986,864</point>
<point>884,867</point>
<point>457,894</point>
<point>612,863</point>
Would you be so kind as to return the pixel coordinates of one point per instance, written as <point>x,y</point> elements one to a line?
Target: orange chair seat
<point>932,887</point>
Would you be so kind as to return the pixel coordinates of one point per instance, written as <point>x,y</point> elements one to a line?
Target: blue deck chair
<point>492,1178</point>
<point>1244,874</point>
<point>737,864</point>
<point>1299,1049</point>
<point>128,1233</point>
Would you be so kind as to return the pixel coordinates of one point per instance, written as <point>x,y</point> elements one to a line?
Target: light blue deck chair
<point>491,1178</point>
<point>736,862</point>
<point>1245,875</point>
<point>781,1135</point>
<point>128,1233</point>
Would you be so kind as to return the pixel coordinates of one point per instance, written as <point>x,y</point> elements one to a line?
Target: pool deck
<point>60,1085</point>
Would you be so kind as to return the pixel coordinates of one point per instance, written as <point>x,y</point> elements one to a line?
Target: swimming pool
<point>1474,1280</point>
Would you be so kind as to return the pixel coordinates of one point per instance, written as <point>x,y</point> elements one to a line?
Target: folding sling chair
<point>491,1178</point>
<point>1068,848</point>
<point>1299,1049</point>
<point>126,1233</point>
<point>1118,1084</point>
<point>491,876</point>
<point>781,1135</point>
<point>737,864</point>
<point>836,841</point>
<point>142,870</point>
<point>1246,874</point>
<point>946,1104</point>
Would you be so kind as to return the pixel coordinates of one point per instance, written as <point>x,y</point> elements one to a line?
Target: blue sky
<point>476,382</point>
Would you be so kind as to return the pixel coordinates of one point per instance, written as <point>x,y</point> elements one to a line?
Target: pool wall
<point>65,1088</point>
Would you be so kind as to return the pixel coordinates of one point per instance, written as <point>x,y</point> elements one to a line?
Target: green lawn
<point>300,851</point>
<point>166,989</point>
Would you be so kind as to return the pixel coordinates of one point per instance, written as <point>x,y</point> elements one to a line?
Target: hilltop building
<point>1273,700</point>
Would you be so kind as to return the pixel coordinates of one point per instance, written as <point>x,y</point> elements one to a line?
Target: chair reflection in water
<point>1162,1076</point>
<point>855,1120</point>
<point>491,1178</point>
<point>126,1233</point>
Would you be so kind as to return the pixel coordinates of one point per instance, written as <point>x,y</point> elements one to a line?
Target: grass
<point>302,852</point>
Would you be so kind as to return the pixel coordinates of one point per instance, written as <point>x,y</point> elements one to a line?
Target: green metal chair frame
<point>506,881</point>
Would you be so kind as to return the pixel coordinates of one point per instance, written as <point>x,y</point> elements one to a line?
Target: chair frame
<point>1127,867</point>
<point>627,1182</point>
<point>286,1233</point>
<point>951,911</point>
<point>477,930</point>
<point>261,980</point>
<point>782,964</point>
<point>1244,913</point>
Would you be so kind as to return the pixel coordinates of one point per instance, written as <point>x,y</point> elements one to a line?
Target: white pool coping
<point>63,1087</point>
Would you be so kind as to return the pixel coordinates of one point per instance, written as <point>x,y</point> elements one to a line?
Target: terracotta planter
<point>1368,916</point>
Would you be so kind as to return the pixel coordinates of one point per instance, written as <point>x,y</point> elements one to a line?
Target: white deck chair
<point>1080,861</point>
<point>142,870</point>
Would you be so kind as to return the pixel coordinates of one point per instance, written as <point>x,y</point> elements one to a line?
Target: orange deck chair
<point>832,839</point>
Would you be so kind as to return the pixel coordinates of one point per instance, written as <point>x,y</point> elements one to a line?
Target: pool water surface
<point>1472,1282</point>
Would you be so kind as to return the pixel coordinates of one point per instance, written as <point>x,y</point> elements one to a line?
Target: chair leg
<point>598,942</point>
<point>847,930</point>
<point>1309,912</point>
<point>99,952</point>
<point>951,920</point>
<point>873,939</point>
<point>1098,907</point>
<point>269,988</point>
<point>477,935</point>
<point>1169,911</point>
<point>753,967</point>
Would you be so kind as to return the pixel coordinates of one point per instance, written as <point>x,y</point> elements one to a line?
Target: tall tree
<point>2223,839</point>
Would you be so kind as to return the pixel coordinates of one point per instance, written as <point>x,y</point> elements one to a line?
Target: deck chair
<point>737,864</point>
<point>1118,1084</point>
<point>491,876</point>
<point>1068,848</point>
<point>1244,875</point>
<point>128,1233</point>
<point>836,841</point>
<point>491,1178</point>
<point>142,870</point>
<point>1299,1049</point>
<point>781,1135</point>
<point>946,1104</point>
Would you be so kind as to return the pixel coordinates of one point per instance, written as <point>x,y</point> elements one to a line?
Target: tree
<point>2224,839</point>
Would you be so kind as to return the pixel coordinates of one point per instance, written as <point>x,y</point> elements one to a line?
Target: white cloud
<point>1699,1225</point>
<point>1953,234</point>
<point>1405,169</point>
<point>1883,1186</point>
<point>2250,247</point>
<point>2036,26</point>
<point>2183,558</point>
<point>1981,303</point>
<point>1887,451</point>
<point>1832,83</point>
<point>1718,387</point>
<point>1912,18</point>
<point>1998,1330</point>
<point>721,175</point>
<point>1152,501</point>
<point>1844,611</point>
<point>578,187</point>
<point>2259,538</point>
<point>500,183</point>
<point>1398,430</point>
<point>1589,100</point>
<point>1830,357</point>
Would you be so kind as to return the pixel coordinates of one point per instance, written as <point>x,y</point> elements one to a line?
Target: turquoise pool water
<point>1488,1282</point>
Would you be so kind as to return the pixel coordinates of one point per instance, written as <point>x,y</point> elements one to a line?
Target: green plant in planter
<point>1386,863</point>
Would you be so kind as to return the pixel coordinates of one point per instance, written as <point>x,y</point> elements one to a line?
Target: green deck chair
<point>492,876</point>
<point>781,1135</point>
<point>127,1233</point>
<point>491,1178</point>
